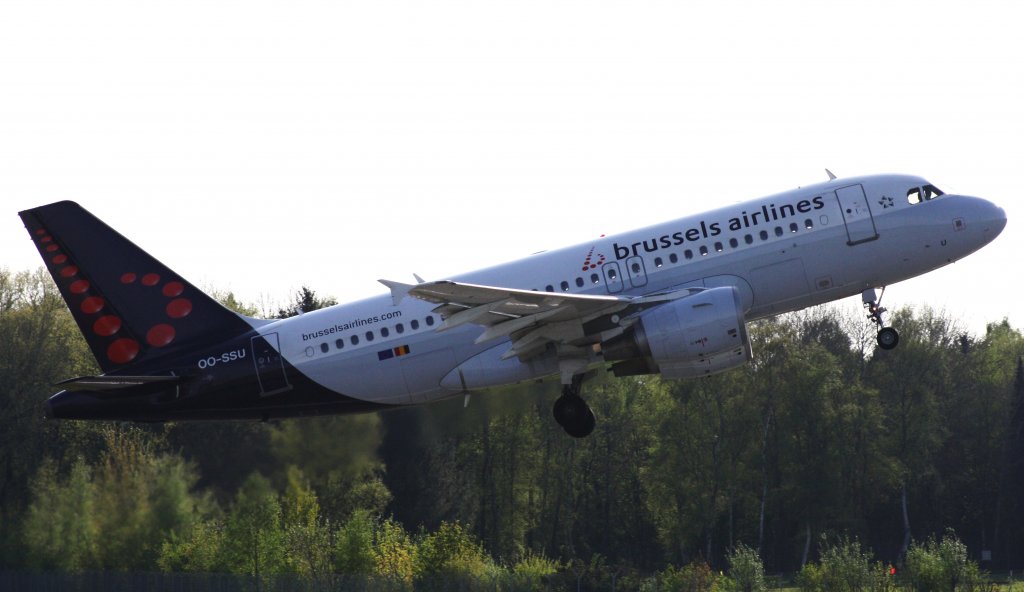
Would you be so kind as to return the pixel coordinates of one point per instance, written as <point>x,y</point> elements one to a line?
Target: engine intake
<point>694,336</point>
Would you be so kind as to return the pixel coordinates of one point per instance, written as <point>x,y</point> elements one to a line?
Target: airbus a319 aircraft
<point>672,299</point>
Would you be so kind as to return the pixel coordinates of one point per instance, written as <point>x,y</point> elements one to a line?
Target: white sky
<point>257,147</point>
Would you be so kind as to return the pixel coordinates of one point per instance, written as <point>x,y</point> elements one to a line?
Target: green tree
<point>306,300</point>
<point>254,538</point>
<point>59,531</point>
<point>354,544</point>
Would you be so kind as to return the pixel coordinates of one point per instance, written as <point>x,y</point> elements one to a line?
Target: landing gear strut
<point>888,337</point>
<point>572,412</point>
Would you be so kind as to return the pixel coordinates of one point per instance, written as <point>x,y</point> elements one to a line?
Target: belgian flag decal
<point>397,352</point>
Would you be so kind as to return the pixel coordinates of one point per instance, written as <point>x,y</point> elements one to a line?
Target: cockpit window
<point>919,194</point>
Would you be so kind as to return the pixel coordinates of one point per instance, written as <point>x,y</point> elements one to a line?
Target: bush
<point>845,565</point>
<point>695,577</point>
<point>942,566</point>
<point>811,578</point>
<point>746,571</point>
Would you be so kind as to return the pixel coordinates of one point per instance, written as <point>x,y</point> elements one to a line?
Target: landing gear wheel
<point>574,415</point>
<point>572,412</point>
<point>888,338</point>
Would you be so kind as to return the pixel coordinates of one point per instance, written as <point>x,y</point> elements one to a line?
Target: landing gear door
<point>860,226</point>
<point>269,364</point>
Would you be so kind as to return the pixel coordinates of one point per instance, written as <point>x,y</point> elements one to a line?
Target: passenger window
<point>339,343</point>
<point>579,282</point>
<point>400,328</point>
<point>673,258</point>
<point>549,288</point>
<point>611,273</point>
<point>414,324</point>
<point>703,251</point>
<point>354,340</point>
<point>369,335</point>
<point>793,227</point>
<point>719,247</point>
<point>688,254</point>
<point>734,243</point>
<point>749,239</point>
<point>635,267</point>
<point>764,235</point>
<point>778,231</point>
<point>565,286</point>
<point>430,321</point>
<point>324,347</point>
<point>657,261</point>
<point>384,332</point>
<point>808,224</point>
<point>595,278</point>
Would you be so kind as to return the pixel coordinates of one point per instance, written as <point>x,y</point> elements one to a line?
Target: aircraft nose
<point>993,218</point>
<point>983,216</point>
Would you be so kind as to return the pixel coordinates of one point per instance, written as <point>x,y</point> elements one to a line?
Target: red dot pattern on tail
<point>123,350</point>
<point>172,289</point>
<point>179,308</point>
<point>92,305</point>
<point>160,335</point>
<point>107,325</point>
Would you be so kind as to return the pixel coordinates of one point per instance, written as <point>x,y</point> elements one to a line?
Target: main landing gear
<point>888,337</point>
<point>572,412</point>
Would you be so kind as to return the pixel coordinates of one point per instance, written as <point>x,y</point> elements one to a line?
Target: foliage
<point>693,577</point>
<point>822,433</point>
<point>942,565</point>
<point>115,515</point>
<point>746,571</point>
<point>305,301</point>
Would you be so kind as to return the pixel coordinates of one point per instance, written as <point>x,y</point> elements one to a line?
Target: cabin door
<point>269,364</point>
<point>860,225</point>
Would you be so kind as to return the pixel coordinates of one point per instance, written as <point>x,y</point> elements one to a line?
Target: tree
<point>254,538</point>
<point>305,300</point>
<point>59,531</point>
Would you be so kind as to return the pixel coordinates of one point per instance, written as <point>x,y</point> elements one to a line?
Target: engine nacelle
<point>693,336</point>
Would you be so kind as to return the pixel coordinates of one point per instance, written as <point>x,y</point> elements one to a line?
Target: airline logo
<point>593,261</point>
<point>704,229</point>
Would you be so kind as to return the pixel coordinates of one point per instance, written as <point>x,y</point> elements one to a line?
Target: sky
<point>256,147</point>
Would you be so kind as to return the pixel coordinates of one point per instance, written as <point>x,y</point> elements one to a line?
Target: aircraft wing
<point>530,318</point>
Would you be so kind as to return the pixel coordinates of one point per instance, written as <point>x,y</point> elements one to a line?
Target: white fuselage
<point>782,253</point>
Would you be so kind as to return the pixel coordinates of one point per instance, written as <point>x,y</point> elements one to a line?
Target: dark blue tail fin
<point>131,308</point>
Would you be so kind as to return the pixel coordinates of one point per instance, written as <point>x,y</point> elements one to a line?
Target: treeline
<point>823,436</point>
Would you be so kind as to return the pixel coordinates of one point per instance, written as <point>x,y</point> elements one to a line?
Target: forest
<point>822,438</point>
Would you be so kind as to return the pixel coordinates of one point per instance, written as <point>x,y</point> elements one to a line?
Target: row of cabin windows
<point>414,325</point>
<point>673,258</point>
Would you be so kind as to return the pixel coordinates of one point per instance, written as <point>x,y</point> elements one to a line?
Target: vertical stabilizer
<point>130,307</point>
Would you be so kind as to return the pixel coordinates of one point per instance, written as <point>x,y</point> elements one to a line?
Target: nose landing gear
<point>888,337</point>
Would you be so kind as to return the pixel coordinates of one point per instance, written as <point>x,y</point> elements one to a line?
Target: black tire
<point>888,338</point>
<point>574,415</point>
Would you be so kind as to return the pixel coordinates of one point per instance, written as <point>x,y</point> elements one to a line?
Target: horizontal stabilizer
<point>117,383</point>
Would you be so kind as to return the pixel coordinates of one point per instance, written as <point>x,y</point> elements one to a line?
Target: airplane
<point>671,299</point>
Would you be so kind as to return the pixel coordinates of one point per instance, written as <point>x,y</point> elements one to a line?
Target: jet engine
<point>693,336</point>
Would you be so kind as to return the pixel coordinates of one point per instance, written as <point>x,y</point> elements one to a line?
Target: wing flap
<point>531,319</point>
